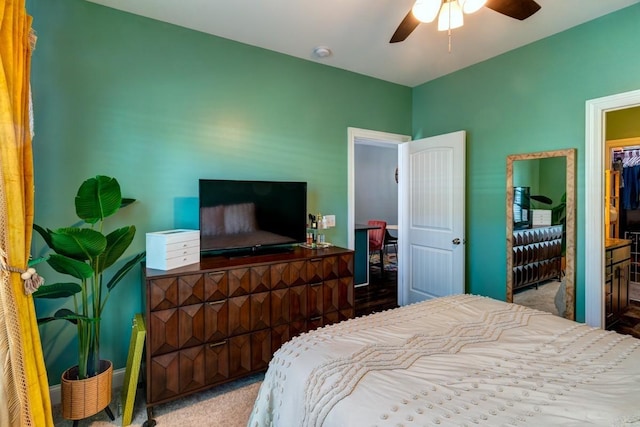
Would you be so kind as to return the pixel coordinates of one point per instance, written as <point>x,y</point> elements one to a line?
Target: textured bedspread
<point>461,360</point>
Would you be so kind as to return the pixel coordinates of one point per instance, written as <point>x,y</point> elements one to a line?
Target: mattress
<point>462,360</point>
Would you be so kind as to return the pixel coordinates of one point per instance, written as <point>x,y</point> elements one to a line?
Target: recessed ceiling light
<point>321,52</point>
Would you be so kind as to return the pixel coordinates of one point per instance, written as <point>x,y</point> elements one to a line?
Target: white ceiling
<point>358,31</point>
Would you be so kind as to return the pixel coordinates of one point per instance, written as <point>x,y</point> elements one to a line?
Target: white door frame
<point>362,136</point>
<point>596,110</point>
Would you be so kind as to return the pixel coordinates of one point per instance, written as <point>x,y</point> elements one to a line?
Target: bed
<point>458,360</point>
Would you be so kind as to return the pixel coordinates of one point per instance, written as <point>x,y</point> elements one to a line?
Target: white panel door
<point>431,218</point>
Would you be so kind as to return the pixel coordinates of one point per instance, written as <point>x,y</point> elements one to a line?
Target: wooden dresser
<point>537,255</point>
<point>617,264</point>
<point>221,319</point>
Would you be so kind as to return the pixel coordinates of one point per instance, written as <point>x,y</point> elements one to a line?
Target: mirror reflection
<point>540,220</point>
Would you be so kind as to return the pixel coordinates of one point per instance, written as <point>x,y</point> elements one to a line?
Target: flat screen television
<point>249,217</point>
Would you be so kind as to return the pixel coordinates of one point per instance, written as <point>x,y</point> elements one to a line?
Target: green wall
<point>553,179</point>
<point>526,173</point>
<point>527,100</point>
<point>158,107</point>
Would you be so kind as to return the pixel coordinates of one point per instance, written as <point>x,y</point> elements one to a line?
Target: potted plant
<point>559,211</point>
<point>85,253</point>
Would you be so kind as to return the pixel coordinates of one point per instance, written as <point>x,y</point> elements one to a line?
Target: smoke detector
<point>322,52</point>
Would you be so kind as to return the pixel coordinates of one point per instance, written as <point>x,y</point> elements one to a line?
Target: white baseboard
<point>116,383</point>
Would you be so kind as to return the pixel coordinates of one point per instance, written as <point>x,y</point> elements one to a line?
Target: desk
<point>392,226</point>
<point>361,255</point>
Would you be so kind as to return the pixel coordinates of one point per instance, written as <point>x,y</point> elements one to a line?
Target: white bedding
<point>461,360</point>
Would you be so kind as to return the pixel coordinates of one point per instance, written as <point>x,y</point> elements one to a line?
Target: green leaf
<point>62,314</point>
<point>57,290</point>
<point>125,269</point>
<point>78,243</point>
<point>117,243</point>
<point>44,320</point>
<point>126,202</point>
<point>45,233</point>
<point>78,269</point>
<point>98,198</point>
<point>558,213</point>
<point>66,314</point>
<point>36,261</point>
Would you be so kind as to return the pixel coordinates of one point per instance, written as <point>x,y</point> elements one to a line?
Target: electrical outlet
<point>331,220</point>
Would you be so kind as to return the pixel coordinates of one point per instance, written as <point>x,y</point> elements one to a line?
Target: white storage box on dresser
<point>540,217</point>
<point>172,248</point>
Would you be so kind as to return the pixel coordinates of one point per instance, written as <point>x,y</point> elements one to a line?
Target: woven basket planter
<point>84,398</point>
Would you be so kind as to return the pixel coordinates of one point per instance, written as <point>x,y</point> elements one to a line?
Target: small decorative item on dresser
<point>172,248</point>
<point>540,217</point>
<point>315,239</point>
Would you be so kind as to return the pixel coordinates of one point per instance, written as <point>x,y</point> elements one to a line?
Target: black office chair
<point>390,240</point>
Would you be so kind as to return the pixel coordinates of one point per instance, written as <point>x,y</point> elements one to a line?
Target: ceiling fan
<point>427,10</point>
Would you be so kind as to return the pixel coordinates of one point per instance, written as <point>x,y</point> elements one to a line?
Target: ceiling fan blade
<point>517,9</point>
<point>406,27</point>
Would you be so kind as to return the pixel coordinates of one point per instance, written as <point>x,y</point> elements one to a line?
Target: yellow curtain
<point>24,390</point>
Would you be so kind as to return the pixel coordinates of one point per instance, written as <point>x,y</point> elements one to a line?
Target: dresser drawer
<point>193,244</point>
<point>619,254</point>
<point>178,261</point>
<point>182,251</point>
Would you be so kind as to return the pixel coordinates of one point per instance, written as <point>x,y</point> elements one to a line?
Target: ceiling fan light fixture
<point>471,6</point>
<point>426,10</point>
<point>450,16</point>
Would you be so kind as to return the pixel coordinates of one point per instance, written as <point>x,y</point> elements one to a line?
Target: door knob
<point>456,241</point>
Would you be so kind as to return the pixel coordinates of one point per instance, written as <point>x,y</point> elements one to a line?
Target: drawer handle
<point>313,319</point>
<point>217,302</point>
<point>216,273</point>
<point>217,344</point>
<point>315,259</point>
<point>315,284</point>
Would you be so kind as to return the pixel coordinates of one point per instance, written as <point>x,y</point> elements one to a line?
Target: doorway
<point>368,137</point>
<point>596,110</point>
<point>379,291</point>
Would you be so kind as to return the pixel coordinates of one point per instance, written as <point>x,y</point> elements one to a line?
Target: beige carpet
<point>228,405</point>
<point>541,298</point>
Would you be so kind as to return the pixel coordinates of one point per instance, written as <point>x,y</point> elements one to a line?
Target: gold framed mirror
<point>533,252</point>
